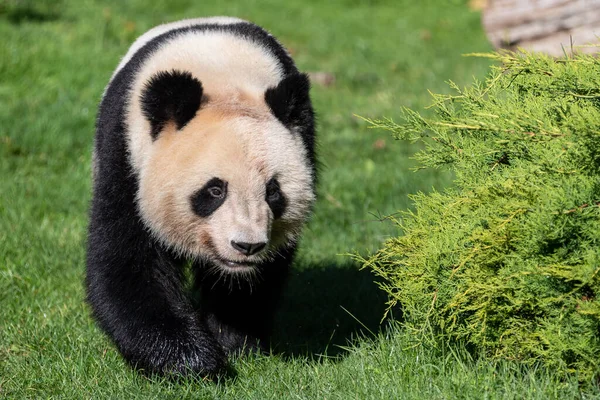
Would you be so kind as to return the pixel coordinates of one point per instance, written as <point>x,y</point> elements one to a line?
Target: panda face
<point>230,187</point>
<point>223,175</point>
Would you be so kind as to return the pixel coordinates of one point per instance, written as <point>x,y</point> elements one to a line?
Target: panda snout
<point>248,249</point>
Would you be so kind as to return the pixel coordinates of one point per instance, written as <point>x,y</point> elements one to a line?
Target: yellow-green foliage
<point>508,259</point>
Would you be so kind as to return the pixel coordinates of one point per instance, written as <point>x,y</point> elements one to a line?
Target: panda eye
<point>216,192</point>
<point>209,198</point>
<point>275,198</point>
<point>272,193</point>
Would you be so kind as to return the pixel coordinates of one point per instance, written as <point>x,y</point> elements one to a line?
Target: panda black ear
<point>170,96</point>
<point>289,100</point>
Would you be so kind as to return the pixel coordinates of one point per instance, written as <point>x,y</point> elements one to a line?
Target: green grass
<point>55,59</point>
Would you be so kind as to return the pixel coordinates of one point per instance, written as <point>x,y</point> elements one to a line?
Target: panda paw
<point>179,356</point>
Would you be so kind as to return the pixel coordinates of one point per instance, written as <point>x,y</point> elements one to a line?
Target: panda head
<point>223,178</point>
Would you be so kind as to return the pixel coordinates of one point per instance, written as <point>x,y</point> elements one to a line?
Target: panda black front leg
<point>240,311</point>
<point>134,290</point>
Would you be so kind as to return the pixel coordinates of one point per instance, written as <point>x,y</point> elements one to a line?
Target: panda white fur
<point>204,154</point>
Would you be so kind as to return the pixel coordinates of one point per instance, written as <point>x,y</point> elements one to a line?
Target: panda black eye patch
<point>275,198</point>
<point>209,198</point>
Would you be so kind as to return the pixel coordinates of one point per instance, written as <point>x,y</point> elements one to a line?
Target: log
<point>550,26</point>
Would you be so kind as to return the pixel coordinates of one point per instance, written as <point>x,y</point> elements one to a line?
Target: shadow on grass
<point>28,11</point>
<point>325,307</point>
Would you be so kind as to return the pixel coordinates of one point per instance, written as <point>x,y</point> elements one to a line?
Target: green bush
<point>507,260</point>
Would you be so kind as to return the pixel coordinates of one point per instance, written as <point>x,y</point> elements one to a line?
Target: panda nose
<point>248,249</point>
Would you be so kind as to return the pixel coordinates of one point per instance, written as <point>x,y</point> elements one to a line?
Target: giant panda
<point>204,160</point>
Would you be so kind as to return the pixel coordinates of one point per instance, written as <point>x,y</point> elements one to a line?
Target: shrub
<point>507,260</point>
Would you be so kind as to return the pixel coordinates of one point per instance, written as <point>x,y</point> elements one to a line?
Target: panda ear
<point>173,96</point>
<point>289,100</point>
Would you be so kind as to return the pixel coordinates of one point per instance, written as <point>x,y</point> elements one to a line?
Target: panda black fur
<point>204,154</point>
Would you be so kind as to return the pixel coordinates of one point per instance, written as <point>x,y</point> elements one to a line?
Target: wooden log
<point>551,26</point>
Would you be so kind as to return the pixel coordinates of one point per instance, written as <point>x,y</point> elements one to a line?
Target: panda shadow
<point>325,308</point>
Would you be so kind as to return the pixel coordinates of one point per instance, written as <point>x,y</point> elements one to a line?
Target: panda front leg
<point>239,310</point>
<point>134,288</point>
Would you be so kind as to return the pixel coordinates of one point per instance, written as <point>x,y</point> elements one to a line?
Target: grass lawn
<point>56,56</point>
